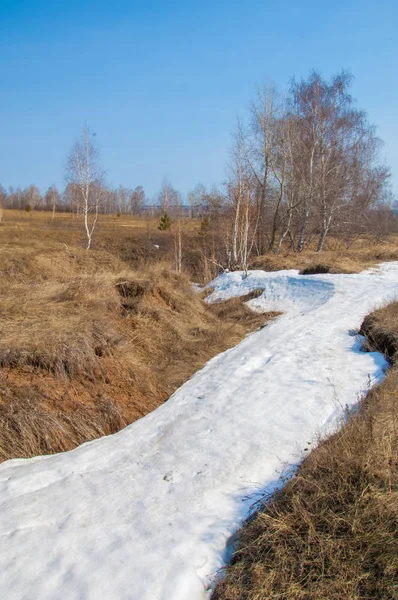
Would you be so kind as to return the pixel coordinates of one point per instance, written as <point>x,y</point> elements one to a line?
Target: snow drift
<point>283,291</point>
<point>145,514</point>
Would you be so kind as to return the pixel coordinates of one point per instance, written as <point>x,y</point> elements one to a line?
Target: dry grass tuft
<point>332,531</point>
<point>29,427</point>
<point>236,311</point>
<point>381,330</point>
<point>315,269</point>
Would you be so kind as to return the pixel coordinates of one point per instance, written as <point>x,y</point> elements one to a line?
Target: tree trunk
<point>245,240</point>
<point>303,231</point>
<point>178,247</point>
<point>88,233</point>
<point>284,233</point>
<point>274,226</point>
<point>261,221</point>
<point>324,232</point>
<point>235,233</point>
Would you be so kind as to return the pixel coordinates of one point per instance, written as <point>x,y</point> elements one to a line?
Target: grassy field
<point>90,340</point>
<point>332,531</point>
<point>137,241</point>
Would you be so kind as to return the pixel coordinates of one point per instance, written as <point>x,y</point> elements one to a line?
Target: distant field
<point>137,240</point>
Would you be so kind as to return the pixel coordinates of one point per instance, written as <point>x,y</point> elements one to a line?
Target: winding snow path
<point>145,514</point>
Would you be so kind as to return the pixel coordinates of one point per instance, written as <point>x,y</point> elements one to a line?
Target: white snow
<point>146,514</point>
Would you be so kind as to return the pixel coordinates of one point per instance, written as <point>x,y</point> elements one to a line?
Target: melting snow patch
<point>283,290</point>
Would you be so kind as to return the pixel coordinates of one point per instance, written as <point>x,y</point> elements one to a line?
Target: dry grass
<point>381,330</point>
<point>364,254</point>
<point>29,427</point>
<point>87,344</point>
<point>332,531</point>
<point>236,311</point>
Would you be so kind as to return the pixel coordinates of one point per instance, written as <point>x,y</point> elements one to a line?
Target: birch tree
<point>3,198</point>
<point>264,112</point>
<point>84,171</point>
<point>240,193</point>
<point>286,174</point>
<point>136,200</point>
<point>306,109</point>
<point>52,199</point>
<point>168,198</point>
<point>178,240</point>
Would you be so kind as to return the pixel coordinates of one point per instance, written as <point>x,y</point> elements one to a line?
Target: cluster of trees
<point>301,166</point>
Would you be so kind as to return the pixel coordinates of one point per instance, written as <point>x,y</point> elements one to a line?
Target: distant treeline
<point>120,200</point>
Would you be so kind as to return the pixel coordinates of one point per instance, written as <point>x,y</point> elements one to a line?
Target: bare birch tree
<point>3,200</point>
<point>169,197</point>
<point>178,241</point>
<point>284,166</point>
<point>84,171</point>
<point>241,189</point>
<point>264,112</point>
<point>52,199</point>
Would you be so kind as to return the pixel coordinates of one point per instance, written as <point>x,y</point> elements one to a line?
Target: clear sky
<point>161,82</point>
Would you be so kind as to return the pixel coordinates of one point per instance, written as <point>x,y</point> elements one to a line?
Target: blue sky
<point>161,83</point>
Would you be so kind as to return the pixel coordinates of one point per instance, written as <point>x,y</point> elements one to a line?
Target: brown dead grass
<point>236,311</point>
<point>381,330</point>
<point>364,254</point>
<point>88,345</point>
<point>332,531</point>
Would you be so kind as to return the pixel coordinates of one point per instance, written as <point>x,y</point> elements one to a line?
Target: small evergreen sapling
<point>165,222</point>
